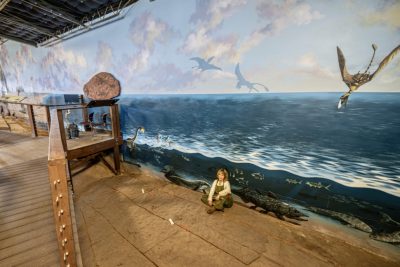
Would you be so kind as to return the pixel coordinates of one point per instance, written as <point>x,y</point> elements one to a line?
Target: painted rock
<point>102,86</point>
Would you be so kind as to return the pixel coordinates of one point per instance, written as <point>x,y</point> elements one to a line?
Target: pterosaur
<point>205,65</point>
<point>3,80</point>
<point>356,80</point>
<point>243,82</point>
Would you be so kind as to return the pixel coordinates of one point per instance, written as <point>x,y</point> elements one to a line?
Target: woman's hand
<point>217,197</point>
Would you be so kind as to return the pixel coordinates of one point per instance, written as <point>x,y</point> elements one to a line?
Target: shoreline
<point>316,222</point>
<point>242,236</point>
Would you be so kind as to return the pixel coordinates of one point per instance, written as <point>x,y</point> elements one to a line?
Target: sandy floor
<point>125,220</point>
<point>19,126</point>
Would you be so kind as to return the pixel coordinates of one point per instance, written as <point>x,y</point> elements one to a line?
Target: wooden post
<point>57,165</point>
<point>61,128</point>
<point>116,136</point>
<point>32,121</point>
<point>47,109</point>
<point>85,117</point>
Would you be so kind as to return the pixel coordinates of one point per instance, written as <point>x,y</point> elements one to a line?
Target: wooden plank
<point>28,251</point>
<point>27,224</point>
<point>56,148</point>
<point>91,149</point>
<point>58,174</point>
<point>116,135</point>
<point>48,118</point>
<point>22,204</point>
<point>61,131</point>
<point>33,233</point>
<point>61,210</point>
<point>27,228</point>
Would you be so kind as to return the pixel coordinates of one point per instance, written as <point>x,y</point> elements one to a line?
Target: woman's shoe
<point>211,210</point>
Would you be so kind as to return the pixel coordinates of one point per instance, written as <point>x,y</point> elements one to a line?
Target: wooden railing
<point>31,115</point>
<point>58,174</point>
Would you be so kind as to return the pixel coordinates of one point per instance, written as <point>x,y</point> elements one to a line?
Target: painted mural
<point>259,87</point>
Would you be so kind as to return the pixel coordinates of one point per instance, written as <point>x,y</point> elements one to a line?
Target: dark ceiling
<point>47,22</point>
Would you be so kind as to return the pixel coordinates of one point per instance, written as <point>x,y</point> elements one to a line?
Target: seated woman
<point>220,193</point>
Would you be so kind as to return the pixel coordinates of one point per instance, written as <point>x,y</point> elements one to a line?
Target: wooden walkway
<point>27,229</point>
<point>7,138</point>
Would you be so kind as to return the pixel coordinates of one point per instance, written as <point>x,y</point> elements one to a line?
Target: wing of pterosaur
<point>342,66</point>
<point>209,60</point>
<point>197,59</point>
<point>238,74</point>
<point>386,60</point>
<point>262,85</point>
<point>3,79</point>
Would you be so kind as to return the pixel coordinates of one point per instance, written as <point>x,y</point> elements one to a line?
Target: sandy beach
<point>126,220</point>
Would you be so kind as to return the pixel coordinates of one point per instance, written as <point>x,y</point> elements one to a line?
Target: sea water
<point>285,143</point>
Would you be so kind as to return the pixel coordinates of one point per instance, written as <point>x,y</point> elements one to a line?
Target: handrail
<point>58,174</point>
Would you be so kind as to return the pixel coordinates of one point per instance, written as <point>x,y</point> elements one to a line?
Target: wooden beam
<point>32,121</point>
<point>91,149</point>
<point>47,109</point>
<point>58,173</point>
<point>3,4</point>
<point>116,134</point>
<point>61,211</point>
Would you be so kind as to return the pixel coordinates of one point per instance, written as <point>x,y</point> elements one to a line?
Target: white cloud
<point>136,63</point>
<point>210,14</point>
<point>166,77</point>
<point>219,75</point>
<point>145,31</point>
<point>390,75</point>
<point>104,57</point>
<point>309,64</point>
<point>62,70</point>
<point>277,16</point>
<point>388,15</point>
<point>206,20</point>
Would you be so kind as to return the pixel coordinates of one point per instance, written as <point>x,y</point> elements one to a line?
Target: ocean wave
<point>359,172</point>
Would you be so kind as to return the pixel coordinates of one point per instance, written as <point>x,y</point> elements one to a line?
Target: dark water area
<point>299,146</point>
<point>365,204</point>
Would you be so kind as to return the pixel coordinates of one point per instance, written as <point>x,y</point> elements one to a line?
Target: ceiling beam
<point>19,21</point>
<point>18,39</point>
<point>57,12</point>
<point>3,3</point>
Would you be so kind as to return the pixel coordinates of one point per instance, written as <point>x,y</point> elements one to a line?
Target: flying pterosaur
<point>205,65</point>
<point>356,80</point>
<point>3,80</point>
<point>243,82</point>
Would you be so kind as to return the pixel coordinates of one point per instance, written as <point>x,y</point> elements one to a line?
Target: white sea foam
<point>308,164</point>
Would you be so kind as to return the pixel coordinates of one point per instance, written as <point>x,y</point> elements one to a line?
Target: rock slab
<point>102,86</point>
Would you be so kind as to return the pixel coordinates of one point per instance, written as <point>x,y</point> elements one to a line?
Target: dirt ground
<point>141,219</point>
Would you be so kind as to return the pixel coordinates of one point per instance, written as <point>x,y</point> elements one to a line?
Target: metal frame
<point>98,19</point>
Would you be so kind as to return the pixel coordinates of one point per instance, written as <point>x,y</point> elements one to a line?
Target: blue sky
<point>289,46</point>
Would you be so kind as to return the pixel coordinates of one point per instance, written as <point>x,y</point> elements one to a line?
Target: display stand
<point>62,152</point>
